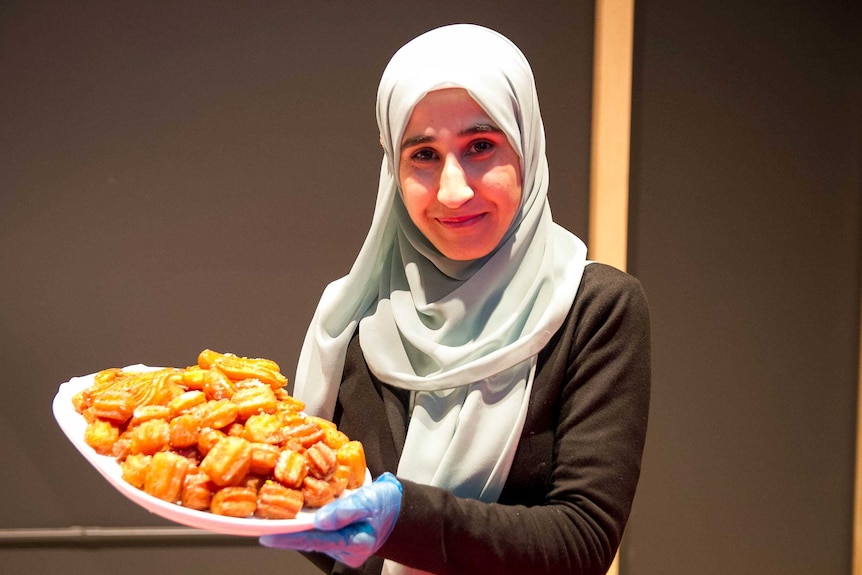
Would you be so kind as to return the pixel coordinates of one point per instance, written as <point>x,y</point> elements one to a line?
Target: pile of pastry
<point>222,435</point>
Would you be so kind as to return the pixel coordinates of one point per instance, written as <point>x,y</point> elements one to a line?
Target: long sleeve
<point>569,493</point>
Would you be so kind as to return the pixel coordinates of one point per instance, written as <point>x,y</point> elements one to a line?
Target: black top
<point>569,492</point>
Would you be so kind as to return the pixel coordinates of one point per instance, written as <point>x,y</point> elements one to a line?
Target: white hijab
<point>462,336</point>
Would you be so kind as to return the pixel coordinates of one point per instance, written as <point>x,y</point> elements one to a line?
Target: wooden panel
<point>857,506</point>
<point>609,169</point>
<point>609,164</point>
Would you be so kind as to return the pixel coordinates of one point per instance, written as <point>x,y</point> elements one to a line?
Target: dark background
<point>182,175</point>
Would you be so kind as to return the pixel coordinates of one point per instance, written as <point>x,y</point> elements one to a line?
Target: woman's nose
<point>454,190</point>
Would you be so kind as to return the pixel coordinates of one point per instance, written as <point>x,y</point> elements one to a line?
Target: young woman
<point>497,379</point>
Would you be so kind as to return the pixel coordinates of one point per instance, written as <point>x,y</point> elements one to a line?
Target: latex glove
<point>351,528</point>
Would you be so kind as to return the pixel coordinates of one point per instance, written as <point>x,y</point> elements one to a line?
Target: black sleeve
<point>599,377</point>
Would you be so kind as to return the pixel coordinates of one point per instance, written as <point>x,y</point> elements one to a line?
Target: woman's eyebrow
<point>480,129</point>
<point>415,141</point>
<point>471,131</point>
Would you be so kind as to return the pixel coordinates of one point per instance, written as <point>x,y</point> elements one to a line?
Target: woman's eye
<point>481,146</point>
<point>423,155</point>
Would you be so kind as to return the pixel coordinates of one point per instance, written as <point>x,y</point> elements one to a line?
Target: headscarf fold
<point>463,336</point>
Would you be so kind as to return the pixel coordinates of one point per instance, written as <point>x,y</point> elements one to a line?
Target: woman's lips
<point>460,221</point>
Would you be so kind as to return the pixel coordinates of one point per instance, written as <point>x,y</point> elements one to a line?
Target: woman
<point>471,348</point>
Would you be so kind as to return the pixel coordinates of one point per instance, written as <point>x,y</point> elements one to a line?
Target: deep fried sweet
<point>291,468</point>
<point>264,456</point>
<point>216,414</point>
<point>150,436</point>
<point>184,431</point>
<point>317,492</point>
<point>228,462</point>
<point>207,438</point>
<point>339,479</point>
<point>197,491</point>
<point>352,455</point>
<point>287,402</point>
<point>254,400</point>
<point>155,387</point>
<point>187,401</point>
<point>148,412</point>
<point>165,475</point>
<point>334,437</point>
<point>275,501</point>
<point>305,432</point>
<point>114,404</point>
<point>252,482</point>
<point>264,428</point>
<point>217,385</point>
<point>234,501</point>
<point>239,368</point>
<point>101,381</point>
<point>122,447</point>
<point>107,377</point>
<point>101,435</point>
<point>193,377</point>
<point>134,469</point>
<point>321,460</point>
<point>236,429</point>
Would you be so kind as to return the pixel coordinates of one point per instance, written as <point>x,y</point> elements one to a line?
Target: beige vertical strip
<point>611,135</point>
<point>609,161</point>
<point>857,505</point>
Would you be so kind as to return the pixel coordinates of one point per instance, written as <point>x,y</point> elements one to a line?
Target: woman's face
<point>460,177</point>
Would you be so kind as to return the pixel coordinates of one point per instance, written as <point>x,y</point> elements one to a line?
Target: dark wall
<point>746,233</point>
<point>183,175</point>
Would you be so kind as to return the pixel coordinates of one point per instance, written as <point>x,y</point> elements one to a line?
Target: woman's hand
<point>352,528</point>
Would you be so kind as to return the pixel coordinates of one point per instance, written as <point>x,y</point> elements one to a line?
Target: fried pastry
<point>197,491</point>
<point>254,400</point>
<point>217,385</point>
<point>228,462</point>
<point>234,501</point>
<point>275,501</point>
<point>291,468</point>
<point>306,433</point>
<point>150,436</point>
<point>217,414</point>
<point>352,455</point>
<point>207,438</point>
<point>148,412</point>
<point>134,469</point>
<point>187,401</point>
<point>101,435</point>
<point>317,492</point>
<point>184,431</point>
<point>264,428</point>
<point>165,475</point>
<point>339,479</point>
<point>321,460</point>
<point>114,404</point>
<point>264,457</point>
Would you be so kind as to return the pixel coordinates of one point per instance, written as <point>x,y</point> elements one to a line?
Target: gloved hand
<point>351,528</point>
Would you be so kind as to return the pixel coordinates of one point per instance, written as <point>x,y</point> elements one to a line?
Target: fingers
<point>321,541</point>
<point>296,541</point>
<point>374,503</point>
<point>350,529</point>
<point>342,512</point>
<point>351,545</point>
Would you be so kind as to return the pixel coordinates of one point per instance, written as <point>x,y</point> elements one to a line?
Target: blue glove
<point>351,528</point>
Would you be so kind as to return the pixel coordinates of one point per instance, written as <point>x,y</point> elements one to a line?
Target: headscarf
<point>462,336</point>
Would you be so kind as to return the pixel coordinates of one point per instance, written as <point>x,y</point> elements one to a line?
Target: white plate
<point>73,425</point>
